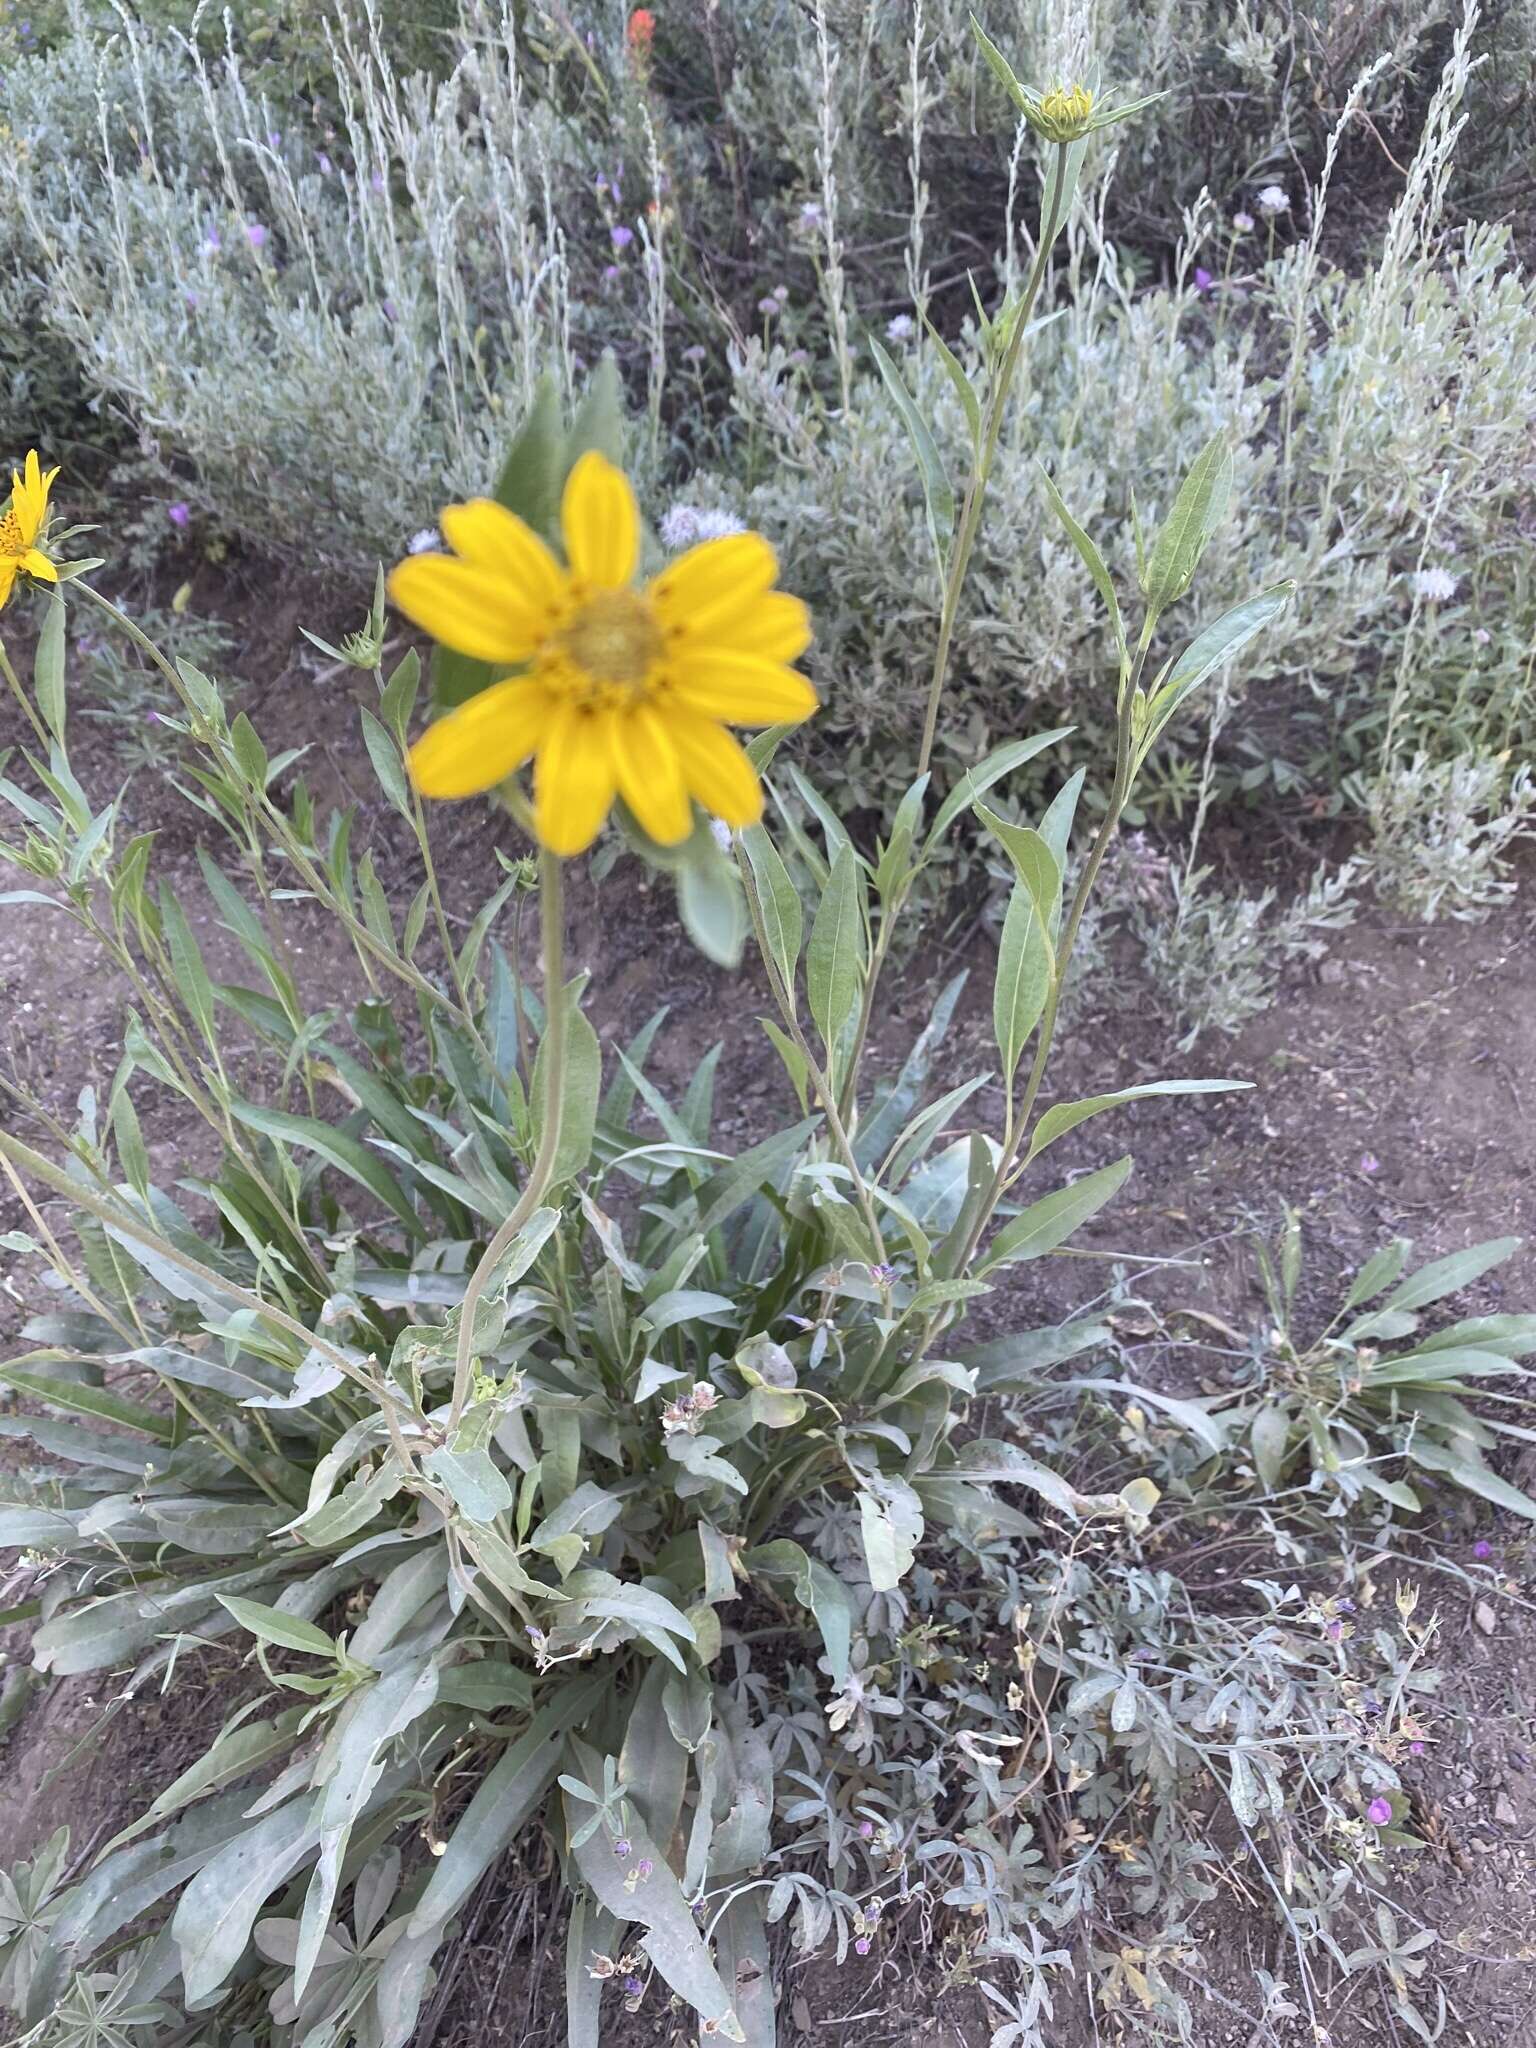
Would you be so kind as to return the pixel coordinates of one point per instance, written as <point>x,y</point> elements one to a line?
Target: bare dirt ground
<point>1394,1093</point>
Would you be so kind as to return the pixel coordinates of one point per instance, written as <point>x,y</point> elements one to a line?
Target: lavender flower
<point>620,236</point>
<point>1369,1163</point>
<point>1482,1548</point>
<point>622,1848</point>
<point>695,352</point>
<point>1379,1812</point>
<point>861,1946</point>
<point>179,514</point>
<point>1204,282</point>
<point>768,305</point>
<point>211,242</point>
<point>1243,223</point>
<point>866,1830</point>
<point>1274,199</point>
<point>256,234</point>
<point>644,1867</point>
<point>902,328</point>
<point>632,1987</point>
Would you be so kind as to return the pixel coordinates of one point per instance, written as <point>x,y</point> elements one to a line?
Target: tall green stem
<point>552,1050</point>
<point>981,473</point>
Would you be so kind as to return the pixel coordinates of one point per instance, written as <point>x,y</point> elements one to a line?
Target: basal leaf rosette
<point>622,689</point>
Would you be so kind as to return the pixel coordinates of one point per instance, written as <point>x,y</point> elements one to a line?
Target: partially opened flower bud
<point>1064,113</point>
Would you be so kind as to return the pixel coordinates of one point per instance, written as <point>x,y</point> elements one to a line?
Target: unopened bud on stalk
<point>1063,114</point>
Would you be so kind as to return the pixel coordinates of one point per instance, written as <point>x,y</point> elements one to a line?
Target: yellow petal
<point>493,538</point>
<point>741,689</point>
<point>482,742</point>
<point>715,579</point>
<point>775,626</point>
<point>468,608</point>
<point>650,776</point>
<point>573,780</point>
<point>8,566</point>
<point>601,523</point>
<point>717,771</point>
<point>37,564</point>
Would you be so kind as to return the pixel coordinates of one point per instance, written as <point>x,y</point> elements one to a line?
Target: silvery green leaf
<point>725,1192</point>
<point>817,1587</point>
<point>213,1921</point>
<point>891,1524</point>
<point>653,1761</point>
<point>1050,1222</point>
<point>672,1939</point>
<point>269,1625</point>
<point>1034,860</point>
<point>472,1480</point>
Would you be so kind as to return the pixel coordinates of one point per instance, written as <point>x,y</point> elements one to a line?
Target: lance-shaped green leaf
<point>1026,965</point>
<point>991,768</point>
<point>1197,512</point>
<point>1062,1117</point>
<point>1049,1223</point>
<point>783,918</point>
<point>1034,859</point>
<point>838,956</point>
<point>1092,560</point>
<point>938,492</point>
<point>581,1086</point>
<point>817,1587</point>
<point>1208,650</point>
<point>337,1148</point>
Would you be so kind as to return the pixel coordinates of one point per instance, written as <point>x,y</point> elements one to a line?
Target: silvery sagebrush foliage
<point>507,1514</point>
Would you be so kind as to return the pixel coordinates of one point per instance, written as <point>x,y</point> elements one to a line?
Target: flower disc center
<point>613,639</point>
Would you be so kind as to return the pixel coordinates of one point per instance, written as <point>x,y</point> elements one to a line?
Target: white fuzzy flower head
<point>423,542</point>
<point>1437,586</point>
<point>1243,222</point>
<point>724,837</point>
<point>902,328</point>
<point>682,526</point>
<point>1274,199</point>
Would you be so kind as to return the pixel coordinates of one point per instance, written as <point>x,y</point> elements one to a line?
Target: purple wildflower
<point>1204,282</point>
<point>632,1987</point>
<point>377,181</point>
<point>211,242</point>
<point>179,514</point>
<point>861,1946</point>
<point>1379,1812</point>
<point>866,1830</point>
<point>644,1867</point>
<point>256,234</point>
<point>768,305</point>
<point>610,272</point>
<point>1415,1749</point>
<point>325,164</point>
<point>1335,1631</point>
<point>274,140</point>
<point>1482,1548</point>
<point>622,1847</point>
<point>1369,1163</point>
<point>620,236</point>
<point>695,352</point>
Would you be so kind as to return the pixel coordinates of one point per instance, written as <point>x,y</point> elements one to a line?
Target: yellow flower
<point>624,690</point>
<point>1065,112</point>
<point>22,523</point>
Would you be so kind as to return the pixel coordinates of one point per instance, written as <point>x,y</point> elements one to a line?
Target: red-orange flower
<point>641,30</point>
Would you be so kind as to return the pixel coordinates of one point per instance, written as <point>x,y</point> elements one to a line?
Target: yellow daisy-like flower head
<point>1066,112</point>
<point>625,690</point>
<point>20,525</point>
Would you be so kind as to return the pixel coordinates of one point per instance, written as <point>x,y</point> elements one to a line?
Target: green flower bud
<point>1063,114</point>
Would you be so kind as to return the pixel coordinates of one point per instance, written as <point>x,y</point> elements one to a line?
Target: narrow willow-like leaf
<point>1197,512</point>
<point>1049,1223</point>
<point>783,918</point>
<point>938,492</point>
<point>1025,967</point>
<point>1092,560</point>
<point>1062,1117</point>
<point>837,957</point>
